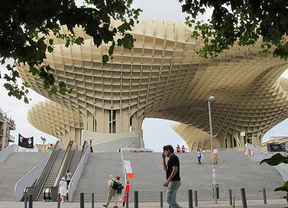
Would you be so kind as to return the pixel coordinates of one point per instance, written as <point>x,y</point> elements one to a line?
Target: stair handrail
<point>124,170</point>
<point>78,172</point>
<point>46,170</point>
<point>70,160</point>
<point>6,152</point>
<point>62,169</point>
<point>64,163</point>
<point>28,179</point>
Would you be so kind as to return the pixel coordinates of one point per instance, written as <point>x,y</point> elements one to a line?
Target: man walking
<point>111,192</point>
<point>173,181</point>
<point>216,153</point>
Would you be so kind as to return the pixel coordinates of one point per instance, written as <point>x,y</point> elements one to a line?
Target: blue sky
<point>156,132</point>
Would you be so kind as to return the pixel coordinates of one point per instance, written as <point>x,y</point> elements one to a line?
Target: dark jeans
<point>199,160</point>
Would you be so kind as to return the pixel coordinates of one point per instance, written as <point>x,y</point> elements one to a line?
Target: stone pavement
<point>280,203</point>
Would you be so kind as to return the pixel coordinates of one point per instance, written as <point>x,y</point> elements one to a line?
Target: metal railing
<point>123,169</point>
<point>6,152</point>
<point>29,179</point>
<point>36,190</point>
<point>63,169</point>
<point>78,172</point>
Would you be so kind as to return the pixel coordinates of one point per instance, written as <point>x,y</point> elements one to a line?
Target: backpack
<point>115,185</point>
<point>119,189</point>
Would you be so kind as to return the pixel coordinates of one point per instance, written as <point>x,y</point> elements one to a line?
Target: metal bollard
<point>127,200</point>
<point>135,199</point>
<point>196,199</point>
<point>58,201</point>
<point>161,199</point>
<point>190,198</point>
<point>92,200</point>
<point>243,195</point>
<point>264,196</point>
<point>218,192</point>
<point>30,201</point>
<point>81,200</point>
<point>25,199</point>
<point>230,196</point>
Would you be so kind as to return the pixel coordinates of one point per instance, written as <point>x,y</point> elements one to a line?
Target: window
<point>112,121</point>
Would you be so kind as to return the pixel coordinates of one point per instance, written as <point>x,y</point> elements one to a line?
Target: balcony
<point>11,138</point>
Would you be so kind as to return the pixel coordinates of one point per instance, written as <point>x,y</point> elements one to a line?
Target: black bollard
<point>30,201</point>
<point>81,200</point>
<point>135,199</point>
<point>230,196</point>
<point>25,199</point>
<point>161,199</point>
<point>264,196</point>
<point>243,195</point>
<point>92,200</point>
<point>58,200</point>
<point>127,200</point>
<point>190,198</point>
<point>196,199</point>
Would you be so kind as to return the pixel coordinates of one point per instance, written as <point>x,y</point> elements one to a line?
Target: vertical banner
<point>25,142</point>
<point>128,169</point>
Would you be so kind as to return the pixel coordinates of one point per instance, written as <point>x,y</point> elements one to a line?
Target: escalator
<point>56,167</point>
<point>53,173</point>
<point>75,161</point>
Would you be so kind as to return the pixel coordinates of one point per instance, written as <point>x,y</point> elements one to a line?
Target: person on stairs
<point>111,192</point>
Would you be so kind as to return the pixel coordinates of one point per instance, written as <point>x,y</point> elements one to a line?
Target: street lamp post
<point>43,140</point>
<point>211,99</point>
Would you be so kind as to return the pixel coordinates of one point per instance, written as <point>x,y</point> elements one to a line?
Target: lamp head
<point>211,98</point>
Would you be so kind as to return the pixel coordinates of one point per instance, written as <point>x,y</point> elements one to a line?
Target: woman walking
<point>62,189</point>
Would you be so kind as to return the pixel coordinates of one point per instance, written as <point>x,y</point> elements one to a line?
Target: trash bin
<point>47,194</point>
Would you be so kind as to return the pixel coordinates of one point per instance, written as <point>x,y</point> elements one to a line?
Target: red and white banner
<point>127,166</point>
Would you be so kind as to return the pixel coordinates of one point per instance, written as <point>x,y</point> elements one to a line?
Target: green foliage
<point>276,160</point>
<point>242,22</point>
<point>283,188</point>
<point>23,21</point>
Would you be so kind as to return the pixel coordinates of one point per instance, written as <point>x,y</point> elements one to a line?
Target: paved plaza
<point>280,203</point>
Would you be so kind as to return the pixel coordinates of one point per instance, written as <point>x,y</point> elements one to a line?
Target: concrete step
<point>14,168</point>
<point>96,173</point>
<point>233,171</point>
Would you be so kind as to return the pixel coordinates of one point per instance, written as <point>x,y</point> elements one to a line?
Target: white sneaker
<point>62,202</point>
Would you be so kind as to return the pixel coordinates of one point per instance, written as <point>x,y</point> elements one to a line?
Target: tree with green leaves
<point>241,22</point>
<point>24,24</point>
<point>276,160</point>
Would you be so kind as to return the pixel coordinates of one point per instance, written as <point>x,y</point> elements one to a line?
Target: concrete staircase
<point>234,171</point>
<point>14,168</point>
<point>95,176</point>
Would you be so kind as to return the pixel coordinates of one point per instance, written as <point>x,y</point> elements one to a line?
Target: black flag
<point>25,142</point>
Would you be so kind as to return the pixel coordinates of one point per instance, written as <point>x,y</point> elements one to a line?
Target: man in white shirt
<point>215,152</point>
